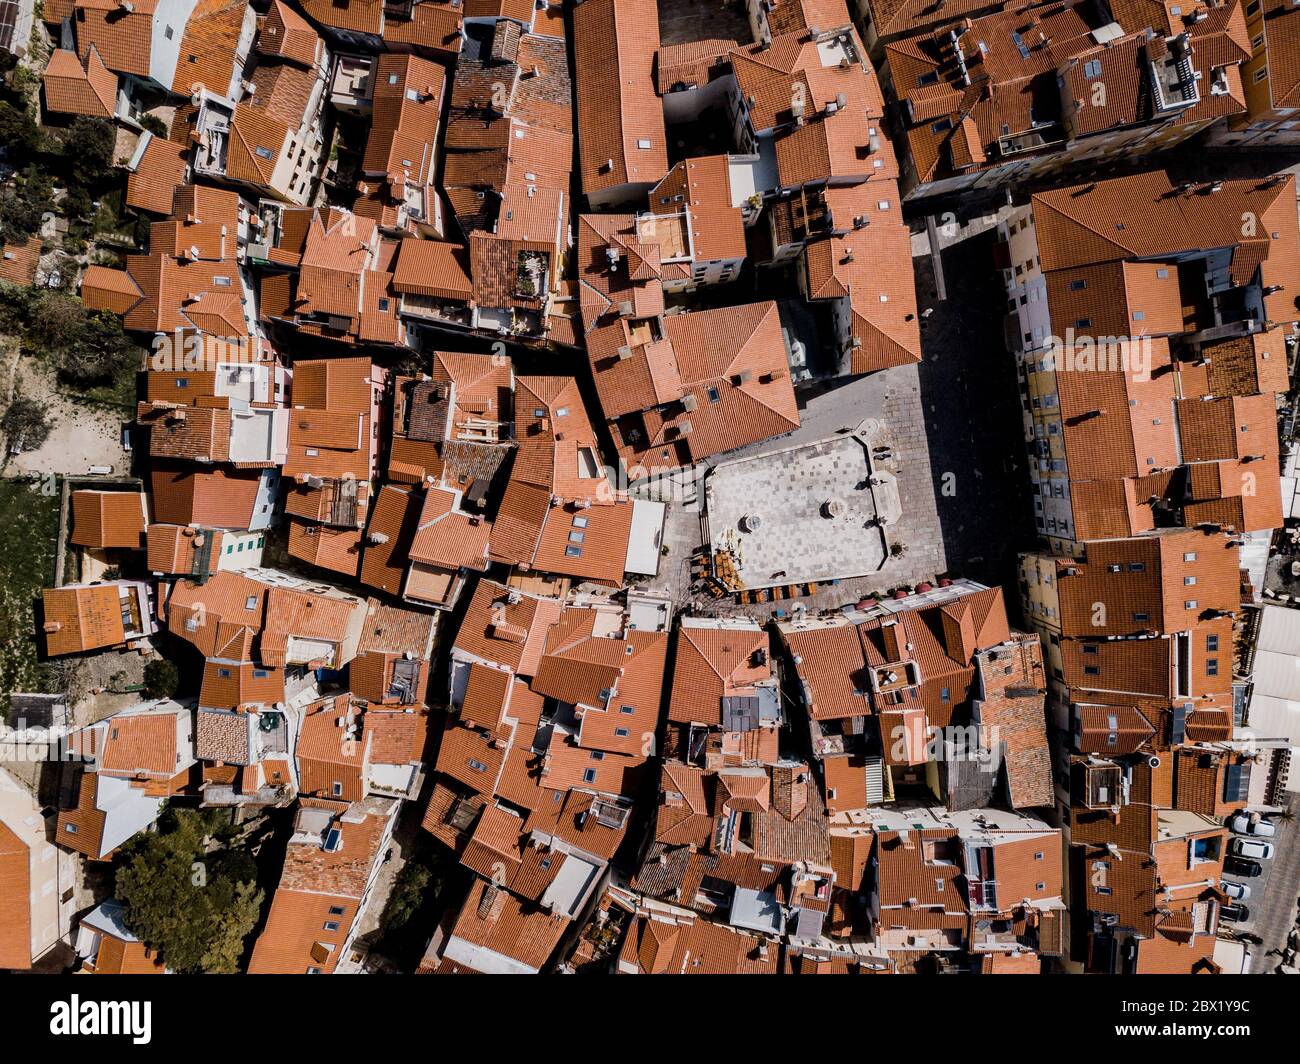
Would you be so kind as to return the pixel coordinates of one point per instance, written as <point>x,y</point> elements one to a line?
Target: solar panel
<point>1179,726</point>
<point>739,713</point>
<point>8,21</point>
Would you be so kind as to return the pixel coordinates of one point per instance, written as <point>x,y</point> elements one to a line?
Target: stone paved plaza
<point>804,514</point>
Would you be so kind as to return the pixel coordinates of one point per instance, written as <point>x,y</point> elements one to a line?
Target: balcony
<point>1173,78</point>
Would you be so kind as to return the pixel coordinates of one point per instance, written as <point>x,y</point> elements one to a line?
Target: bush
<point>26,424</point>
<point>22,205</point>
<point>161,679</point>
<point>155,125</point>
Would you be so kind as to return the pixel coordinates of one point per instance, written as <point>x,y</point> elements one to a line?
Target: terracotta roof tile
<point>163,165</point>
<point>88,618</point>
<point>71,88</point>
<point>209,52</point>
<point>19,262</point>
<point>615,42</point>
<point>315,883</point>
<point>108,518</point>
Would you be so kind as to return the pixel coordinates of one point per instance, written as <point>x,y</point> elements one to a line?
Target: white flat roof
<point>645,538</point>
<point>1275,701</point>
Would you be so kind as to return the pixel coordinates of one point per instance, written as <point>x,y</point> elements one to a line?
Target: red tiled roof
<point>620,119</point>
<point>71,88</point>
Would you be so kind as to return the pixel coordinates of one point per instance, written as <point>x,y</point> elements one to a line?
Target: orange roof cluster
<point>488,468</point>
<point>263,633</point>
<point>816,97</point>
<point>506,170</point>
<point>332,457</point>
<point>189,282</point>
<point>330,865</point>
<point>879,683</point>
<point>989,97</point>
<point>1165,460</point>
<point>687,386</point>
<point>397,191</point>
<point>544,798</point>
<point>1168,424</point>
<point>949,878</point>
<point>810,102</point>
<point>291,620</point>
<point>428,25</point>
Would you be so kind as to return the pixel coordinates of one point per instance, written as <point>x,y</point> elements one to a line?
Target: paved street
<point>1273,896</point>
<point>969,399</point>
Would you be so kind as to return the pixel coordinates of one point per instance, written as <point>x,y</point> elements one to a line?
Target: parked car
<point>1261,851</point>
<point>1240,866</point>
<point>1263,829</point>
<point>1235,913</point>
<point>1236,891</point>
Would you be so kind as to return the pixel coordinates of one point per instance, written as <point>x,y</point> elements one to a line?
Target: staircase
<point>875,780</point>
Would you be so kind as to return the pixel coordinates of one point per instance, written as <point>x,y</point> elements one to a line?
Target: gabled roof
<point>713,663</point>
<point>316,880</point>
<point>285,34</point>
<point>209,52</point>
<point>432,268</point>
<point>19,262</point>
<point>1282,39</point>
<point>621,135</point>
<point>340,248</point>
<point>729,364</point>
<point>73,89</point>
<point>108,519</point>
<point>124,38</point>
<point>161,167</point>
<point>104,289</point>
<point>833,662</point>
<point>447,536</point>
<point>497,932</point>
<point>404,122</point>
<point>871,265</point>
<point>213,498</point>
<point>506,628</point>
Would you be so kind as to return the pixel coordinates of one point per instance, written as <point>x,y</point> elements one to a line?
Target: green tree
<point>18,132</point>
<point>26,423</point>
<point>23,203</point>
<point>88,148</point>
<point>408,893</point>
<point>85,348</point>
<point>19,216</point>
<point>161,678</point>
<point>184,901</point>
